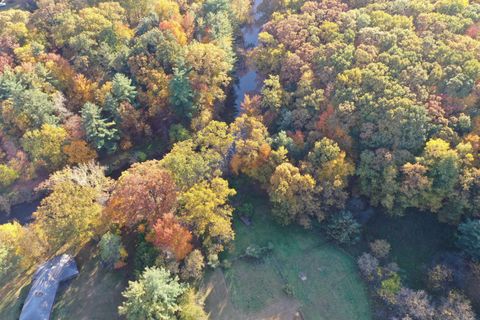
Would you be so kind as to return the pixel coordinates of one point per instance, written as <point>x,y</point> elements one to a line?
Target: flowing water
<point>21,212</point>
<point>247,78</point>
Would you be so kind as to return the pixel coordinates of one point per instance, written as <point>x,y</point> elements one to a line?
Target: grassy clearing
<point>416,239</point>
<point>332,290</point>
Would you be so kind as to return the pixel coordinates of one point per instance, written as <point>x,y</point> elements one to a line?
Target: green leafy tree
<point>343,228</point>
<point>122,88</point>
<point>181,96</point>
<point>122,91</point>
<point>378,173</point>
<point>272,94</point>
<point>100,132</point>
<point>154,296</point>
<point>110,246</point>
<point>32,108</point>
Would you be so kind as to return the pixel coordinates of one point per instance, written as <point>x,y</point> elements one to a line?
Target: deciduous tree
<point>45,145</point>
<point>292,195</point>
<point>168,234</point>
<point>205,208</point>
<point>145,192</point>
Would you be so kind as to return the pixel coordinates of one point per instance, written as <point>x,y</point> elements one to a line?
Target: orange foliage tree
<point>145,192</point>
<point>78,151</point>
<point>169,234</point>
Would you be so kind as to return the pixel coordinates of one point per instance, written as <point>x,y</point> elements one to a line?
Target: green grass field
<point>332,290</point>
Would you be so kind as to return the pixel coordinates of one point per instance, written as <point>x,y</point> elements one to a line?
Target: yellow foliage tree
<point>292,195</point>
<point>45,145</point>
<point>205,208</point>
<point>69,217</point>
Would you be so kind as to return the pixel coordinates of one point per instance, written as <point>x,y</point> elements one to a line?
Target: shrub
<point>141,156</point>
<point>246,209</point>
<point>256,252</point>
<point>193,266</point>
<point>110,249</point>
<point>5,260</point>
<point>343,228</point>
<point>380,248</point>
<point>439,277</point>
<point>191,308</point>
<point>213,260</point>
<point>167,260</point>
<point>288,289</point>
<point>368,265</point>
<point>178,133</point>
<point>145,255</point>
<point>8,175</point>
<point>390,287</point>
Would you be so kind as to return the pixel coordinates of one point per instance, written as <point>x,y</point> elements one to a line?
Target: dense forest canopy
<point>83,79</point>
<point>356,98</point>
<point>393,83</point>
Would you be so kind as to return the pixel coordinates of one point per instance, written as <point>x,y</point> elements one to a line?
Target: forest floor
<point>256,289</point>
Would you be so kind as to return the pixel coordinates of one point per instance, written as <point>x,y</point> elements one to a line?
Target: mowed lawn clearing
<point>332,289</point>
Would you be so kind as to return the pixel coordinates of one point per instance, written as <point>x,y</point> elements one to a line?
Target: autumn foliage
<point>168,234</point>
<point>145,192</point>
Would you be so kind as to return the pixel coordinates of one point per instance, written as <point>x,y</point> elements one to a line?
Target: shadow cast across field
<point>321,280</point>
<point>94,295</point>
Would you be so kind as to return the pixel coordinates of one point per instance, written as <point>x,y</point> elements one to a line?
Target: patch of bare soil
<point>285,309</point>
